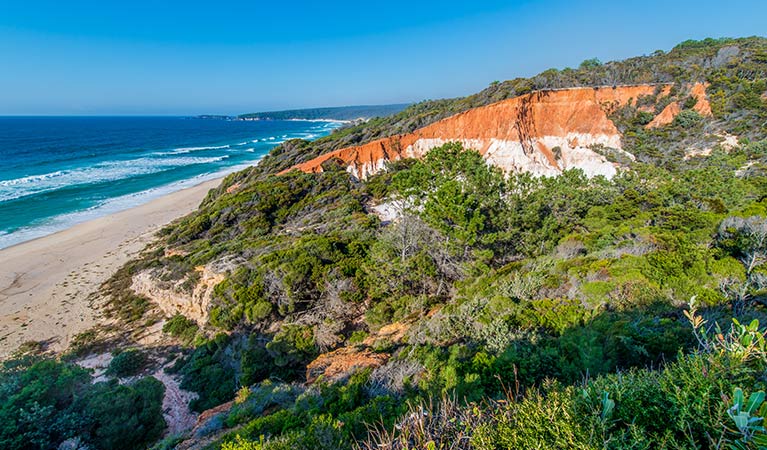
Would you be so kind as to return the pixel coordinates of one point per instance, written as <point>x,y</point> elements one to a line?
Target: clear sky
<point>236,56</point>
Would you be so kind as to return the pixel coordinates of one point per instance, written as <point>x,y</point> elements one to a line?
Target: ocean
<point>59,171</point>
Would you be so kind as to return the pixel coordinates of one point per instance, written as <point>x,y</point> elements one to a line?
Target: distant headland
<point>339,113</point>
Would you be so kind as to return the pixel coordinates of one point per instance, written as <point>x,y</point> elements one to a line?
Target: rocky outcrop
<point>339,364</point>
<point>702,106</point>
<point>208,414</point>
<point>173,299</point>
<point>543,132</point>
<point>208,428</point>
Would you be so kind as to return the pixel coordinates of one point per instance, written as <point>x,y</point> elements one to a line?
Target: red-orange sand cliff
<point>544,132</point>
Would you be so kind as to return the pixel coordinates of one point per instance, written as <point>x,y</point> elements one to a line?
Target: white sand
<point>45,283</point>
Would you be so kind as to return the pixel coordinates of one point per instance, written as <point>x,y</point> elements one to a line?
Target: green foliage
<point>590,64</point>
<point>330,418</point>
<point>679,406</point>
<point>217,369</point>
<point>748,416</point>
<point>208,372</point>
<point>127,417</point>
<point>532,279</point>
<point>242,444</point>
<point>127,363</point>
<point>293,344</point>
<point>46,402</point>
<point>40,404</point>
<point>687,118</point>
<point>180,327</point>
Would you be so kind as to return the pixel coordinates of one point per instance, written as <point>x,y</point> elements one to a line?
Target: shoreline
<point>112,206</point>
<point>44,292</point>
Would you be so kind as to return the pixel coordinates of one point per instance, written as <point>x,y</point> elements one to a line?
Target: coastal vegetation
<point>497,310</point>
<point>530,284</point>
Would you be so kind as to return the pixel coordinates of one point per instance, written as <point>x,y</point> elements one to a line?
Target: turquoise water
<point>59,171</point>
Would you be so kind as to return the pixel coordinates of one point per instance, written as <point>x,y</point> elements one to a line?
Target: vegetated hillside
<point>443,303</point>
<point>333,113</point>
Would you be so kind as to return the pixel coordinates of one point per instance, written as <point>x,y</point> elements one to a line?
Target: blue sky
<point>168,57</point>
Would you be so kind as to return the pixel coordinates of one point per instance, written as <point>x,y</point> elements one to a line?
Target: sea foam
<point>102,172</point>
<point>111,206</point>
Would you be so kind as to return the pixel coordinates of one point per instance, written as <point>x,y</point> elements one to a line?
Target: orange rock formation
<point>544,132</point>
<point>702,106</point>
<point>666,116</point>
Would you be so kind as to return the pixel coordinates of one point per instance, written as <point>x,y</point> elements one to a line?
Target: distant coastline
<point>337,114</point>
<point>293,119</point>
<point>341,121</point>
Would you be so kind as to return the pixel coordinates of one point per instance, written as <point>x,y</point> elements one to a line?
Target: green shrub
<point>687,118</point>
<point>127,363</point>
<point>292,344</point>
<point>180,327</point>
<point>127,417</point>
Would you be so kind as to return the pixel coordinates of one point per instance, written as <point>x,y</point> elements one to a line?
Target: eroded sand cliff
<point>544,132</point>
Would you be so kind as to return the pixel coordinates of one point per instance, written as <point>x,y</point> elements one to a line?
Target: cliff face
<point>171,297</point>
<point>544,132</point>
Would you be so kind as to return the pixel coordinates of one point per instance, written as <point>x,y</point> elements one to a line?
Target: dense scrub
<point>46,402</point>
<point>504,282</point>
<point>694,402</point>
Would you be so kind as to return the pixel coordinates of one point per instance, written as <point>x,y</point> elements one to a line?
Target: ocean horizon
<point>58,171</point>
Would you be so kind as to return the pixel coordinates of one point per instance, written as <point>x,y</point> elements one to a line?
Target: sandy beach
<point>45,283</point>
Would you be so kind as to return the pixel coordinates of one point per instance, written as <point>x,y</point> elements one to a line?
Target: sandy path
<point>45,283</point>
<point>175,405</point>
